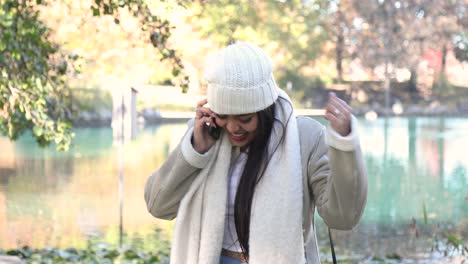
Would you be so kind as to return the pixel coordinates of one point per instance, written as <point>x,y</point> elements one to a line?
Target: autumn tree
<point>340,28</point>
<point>396,33</point>
<point>449,19</point>
<point>292,31</point>
<point>34,95</point>
<point>156,29</point>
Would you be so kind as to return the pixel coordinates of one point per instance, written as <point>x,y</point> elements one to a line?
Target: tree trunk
<point>339,46</point>
<point>441,83</point>
<point>444,60</point>
<point>412,84</point>
<point>339,57</point>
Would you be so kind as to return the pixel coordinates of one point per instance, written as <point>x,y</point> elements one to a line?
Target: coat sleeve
<point>338,178</point>
<point>166,187</point>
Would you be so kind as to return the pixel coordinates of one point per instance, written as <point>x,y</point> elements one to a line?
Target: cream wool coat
<point>334,180</point>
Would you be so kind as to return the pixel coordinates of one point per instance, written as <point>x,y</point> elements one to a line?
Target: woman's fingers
<point>337,106</point>
<point>331,117</point>
<point>202,102</point>
<point>203,111</point>
<point>207,121</point>
<point>342,103</point>
<point>204,117</point>
<point>338,112</point>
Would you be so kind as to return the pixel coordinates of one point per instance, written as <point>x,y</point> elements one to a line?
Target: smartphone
<point>214,132</point>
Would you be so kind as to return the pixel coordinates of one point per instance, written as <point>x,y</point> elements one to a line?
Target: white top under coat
<point>230,240</point>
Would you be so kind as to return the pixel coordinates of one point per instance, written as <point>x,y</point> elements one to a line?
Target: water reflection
<point>57,199</point>
<point>412,162</point>
<point>420,164</point>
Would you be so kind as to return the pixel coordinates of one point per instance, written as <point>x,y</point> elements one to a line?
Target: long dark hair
<point>255,166</point>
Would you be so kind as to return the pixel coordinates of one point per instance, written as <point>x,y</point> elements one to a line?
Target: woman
<point>250,195</point>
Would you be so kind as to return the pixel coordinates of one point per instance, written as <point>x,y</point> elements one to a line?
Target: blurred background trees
<point>52,50</point>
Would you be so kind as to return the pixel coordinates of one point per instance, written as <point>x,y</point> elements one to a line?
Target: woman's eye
<point>245,120</point>
<point>222,116</point>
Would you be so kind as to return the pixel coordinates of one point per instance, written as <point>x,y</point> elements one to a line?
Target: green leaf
<point>175,72</point>
<point>130,254</point>
<point>393,256</point>
<point>38,84</point>
<point>28,115</point>
<point>454,239</point>
<point>38,131</point>
<point>49,123</point>
<point>96,11</point>
<point>425,213</point>
<point>58,138</point>
<point>6,22</point>
<point>41,101</point>
<point>107,9</point>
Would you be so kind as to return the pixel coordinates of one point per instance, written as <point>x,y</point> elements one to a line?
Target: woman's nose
<point>232,126</point>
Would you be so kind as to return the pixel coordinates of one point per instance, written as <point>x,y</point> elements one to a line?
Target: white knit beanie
<point>240,80</point>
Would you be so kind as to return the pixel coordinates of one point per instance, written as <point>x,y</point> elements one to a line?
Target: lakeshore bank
<point>154,117</point>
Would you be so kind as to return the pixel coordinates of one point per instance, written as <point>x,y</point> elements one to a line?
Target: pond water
<point>48,198</point>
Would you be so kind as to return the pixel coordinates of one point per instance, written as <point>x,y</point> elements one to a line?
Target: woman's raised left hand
<point>338,112</point>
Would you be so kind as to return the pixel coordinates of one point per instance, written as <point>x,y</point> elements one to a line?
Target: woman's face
<point>241,129</point>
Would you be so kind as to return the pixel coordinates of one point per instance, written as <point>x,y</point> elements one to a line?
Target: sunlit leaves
<point>158,30</point>
<point>290,25</point>
<point>33,96</point>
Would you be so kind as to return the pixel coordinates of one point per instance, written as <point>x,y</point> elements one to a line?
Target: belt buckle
<point>243,258</point>
<point>236,255</point>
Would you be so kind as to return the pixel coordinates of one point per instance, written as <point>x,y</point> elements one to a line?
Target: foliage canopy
<point>34,95</point>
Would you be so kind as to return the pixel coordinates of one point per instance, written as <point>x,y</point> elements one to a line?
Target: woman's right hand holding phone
<point>202,141</point>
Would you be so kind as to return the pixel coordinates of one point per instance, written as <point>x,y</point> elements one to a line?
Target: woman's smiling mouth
<point>238,137</point>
